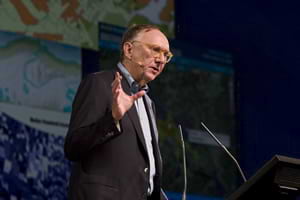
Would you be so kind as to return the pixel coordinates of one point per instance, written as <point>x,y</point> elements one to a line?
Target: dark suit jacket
<point>108,164</point>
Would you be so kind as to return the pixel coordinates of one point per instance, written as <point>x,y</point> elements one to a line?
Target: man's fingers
<point>138,95</point>
<point>117,82</point>
<point>118,77</point>
<point>115,86</point>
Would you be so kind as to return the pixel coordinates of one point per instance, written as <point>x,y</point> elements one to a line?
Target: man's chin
<point>150,76</point>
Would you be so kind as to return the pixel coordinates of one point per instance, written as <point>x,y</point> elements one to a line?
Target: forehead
<point>155,37</point>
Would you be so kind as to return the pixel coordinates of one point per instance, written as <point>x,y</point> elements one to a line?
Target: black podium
<point>278,179</point>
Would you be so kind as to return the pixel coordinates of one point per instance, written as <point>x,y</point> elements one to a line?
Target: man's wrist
<point>115,117</point>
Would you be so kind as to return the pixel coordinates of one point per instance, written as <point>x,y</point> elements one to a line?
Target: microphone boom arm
<point>226,150</point>
<point>184,163</point>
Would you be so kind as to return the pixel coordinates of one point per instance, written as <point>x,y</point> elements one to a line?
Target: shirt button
<point>146,170</point>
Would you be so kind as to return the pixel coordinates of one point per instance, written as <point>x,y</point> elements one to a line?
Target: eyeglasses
<point>156,51</point>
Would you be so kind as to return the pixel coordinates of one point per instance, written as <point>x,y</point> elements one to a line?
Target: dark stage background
<point>264,39</point>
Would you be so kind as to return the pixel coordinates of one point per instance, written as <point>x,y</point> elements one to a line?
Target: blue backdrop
<point>264,38</point>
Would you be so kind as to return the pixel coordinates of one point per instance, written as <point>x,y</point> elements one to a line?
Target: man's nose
<point>160,58</point>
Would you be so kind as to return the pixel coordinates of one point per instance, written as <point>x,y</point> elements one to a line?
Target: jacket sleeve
<point>91,121</point>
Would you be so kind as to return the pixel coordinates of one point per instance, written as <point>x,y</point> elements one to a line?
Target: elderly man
<point>112,137</point>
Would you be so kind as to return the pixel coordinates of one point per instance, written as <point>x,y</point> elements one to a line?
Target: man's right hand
<point>121,101</point>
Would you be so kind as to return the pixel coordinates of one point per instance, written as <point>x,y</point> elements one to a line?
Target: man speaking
<point>112,137</point>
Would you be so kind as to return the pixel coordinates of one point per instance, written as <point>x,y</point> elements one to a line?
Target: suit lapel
<point>133,115</point>
<point>154,132</point>
<point>151,116</point>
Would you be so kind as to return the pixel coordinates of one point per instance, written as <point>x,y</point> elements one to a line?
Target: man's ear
<point>127,49</point>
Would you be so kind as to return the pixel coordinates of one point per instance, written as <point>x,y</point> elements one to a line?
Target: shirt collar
<point>134,86</point>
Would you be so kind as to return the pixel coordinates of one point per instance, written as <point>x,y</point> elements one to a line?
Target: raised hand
<point>121,102</point>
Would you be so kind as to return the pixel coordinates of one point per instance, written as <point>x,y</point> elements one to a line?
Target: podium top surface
<point>266,175</point>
